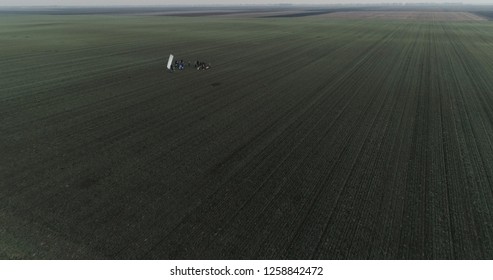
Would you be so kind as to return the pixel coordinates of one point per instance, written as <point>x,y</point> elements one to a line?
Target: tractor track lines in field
<point>308,138</point>
<point>318,195</point>
<point>300,142</point>
<point>474,152</point>
<point>281,130</point>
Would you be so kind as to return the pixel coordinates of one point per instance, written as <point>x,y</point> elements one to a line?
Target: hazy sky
<point>207,2</point>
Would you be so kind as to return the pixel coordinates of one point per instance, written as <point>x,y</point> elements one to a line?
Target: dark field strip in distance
<point>231,11</point>
<point>316,12</point>
<point>485,14</point>
<point>308,139</point>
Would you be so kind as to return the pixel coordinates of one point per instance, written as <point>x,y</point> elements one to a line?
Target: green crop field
<point>309,137</point>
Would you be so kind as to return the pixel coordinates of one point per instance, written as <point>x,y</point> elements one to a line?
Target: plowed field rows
<point>308,138</point>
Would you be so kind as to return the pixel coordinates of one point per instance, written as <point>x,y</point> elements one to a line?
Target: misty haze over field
<point>218,2</point>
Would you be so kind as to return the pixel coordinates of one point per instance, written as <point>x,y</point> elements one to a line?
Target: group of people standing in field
<point>202,65</point>
<point>180,65</point>
<point>199,65</point>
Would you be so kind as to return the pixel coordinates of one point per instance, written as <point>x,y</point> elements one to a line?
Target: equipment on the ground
<point>170,60</point>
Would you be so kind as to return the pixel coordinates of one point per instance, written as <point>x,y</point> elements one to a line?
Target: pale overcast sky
<point>209,2</point>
